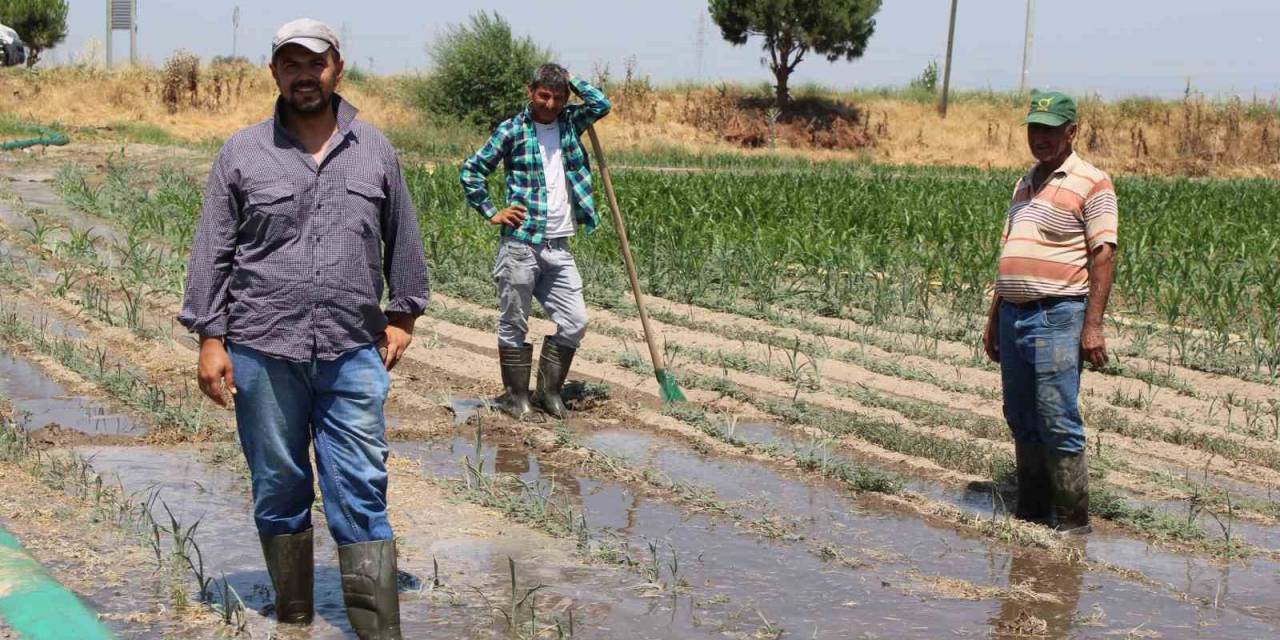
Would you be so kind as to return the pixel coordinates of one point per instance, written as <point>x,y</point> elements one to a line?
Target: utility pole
<point>235,29</point>
<point>946,73</point>
<point>133,33</point>
<point>1026,47</point>
<point>700,40</point>
<point>110,28</point>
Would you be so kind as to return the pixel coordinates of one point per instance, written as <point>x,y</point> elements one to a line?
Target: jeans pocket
<point>515,262</point>
<point>1063,315</point>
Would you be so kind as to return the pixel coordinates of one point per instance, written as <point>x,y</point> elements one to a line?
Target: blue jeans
<point>1040,367</point>
<point>281,406</point>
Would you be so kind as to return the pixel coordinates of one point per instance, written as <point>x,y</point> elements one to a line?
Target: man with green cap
<point>1056,269</point>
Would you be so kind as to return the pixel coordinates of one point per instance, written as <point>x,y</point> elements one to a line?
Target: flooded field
<point>860,495</point>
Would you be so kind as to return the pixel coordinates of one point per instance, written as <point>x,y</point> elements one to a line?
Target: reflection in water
<point>1044,596</point>
<point>509,460</point>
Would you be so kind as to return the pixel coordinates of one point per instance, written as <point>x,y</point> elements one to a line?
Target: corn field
<point>1197,269</point>
<point>1197,282</point>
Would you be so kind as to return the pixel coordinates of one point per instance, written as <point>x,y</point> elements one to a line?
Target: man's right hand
<point>513,216</point>
<point>214,371</point>
<point>991,340</point>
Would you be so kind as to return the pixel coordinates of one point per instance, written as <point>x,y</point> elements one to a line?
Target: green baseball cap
<point>1051,108</point>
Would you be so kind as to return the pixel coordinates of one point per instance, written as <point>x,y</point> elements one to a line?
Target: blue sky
<point>1112,47</point>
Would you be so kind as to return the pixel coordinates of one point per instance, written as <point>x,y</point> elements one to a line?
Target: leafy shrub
<point>481,71</point>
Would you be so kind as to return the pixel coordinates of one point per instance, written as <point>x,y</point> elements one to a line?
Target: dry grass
<point>1194,136</point>
<point>86,97</point>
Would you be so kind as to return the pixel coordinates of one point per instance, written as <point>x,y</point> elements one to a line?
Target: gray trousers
<point>550,274</point>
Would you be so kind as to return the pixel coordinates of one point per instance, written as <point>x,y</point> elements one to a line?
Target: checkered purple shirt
<point>289,257</point>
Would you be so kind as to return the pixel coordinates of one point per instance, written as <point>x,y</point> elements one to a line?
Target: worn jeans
<point>547,272</point>
<point>282,407</point>
<point>1040,367</point>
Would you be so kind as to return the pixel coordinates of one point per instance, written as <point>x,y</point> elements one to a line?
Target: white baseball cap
<point>312,34</point>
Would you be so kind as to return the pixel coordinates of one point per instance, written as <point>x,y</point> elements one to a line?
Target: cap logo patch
<point>1043,104</point>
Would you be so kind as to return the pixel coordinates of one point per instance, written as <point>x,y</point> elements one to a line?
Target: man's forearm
<point>594,102</point>
<point>1102,272</point>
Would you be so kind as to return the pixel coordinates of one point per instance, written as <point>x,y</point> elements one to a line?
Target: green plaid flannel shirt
<point>515,144</point>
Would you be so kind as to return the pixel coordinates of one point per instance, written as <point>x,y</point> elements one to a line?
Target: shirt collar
<point>1067,167</point>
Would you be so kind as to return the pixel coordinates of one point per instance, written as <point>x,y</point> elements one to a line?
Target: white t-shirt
<point>560,222</point>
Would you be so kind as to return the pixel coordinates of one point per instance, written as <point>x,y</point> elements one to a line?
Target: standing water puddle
<point>219,501</point>
<point>1247,589</point>
<point>48,404</point>
<point>737,577</point>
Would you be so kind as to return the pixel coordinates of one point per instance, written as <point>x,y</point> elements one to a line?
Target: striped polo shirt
<point>1049,234</point>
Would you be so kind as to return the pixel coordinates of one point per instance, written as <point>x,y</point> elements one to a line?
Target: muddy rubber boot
<point>1033,483</point>
<point>553,369</point>
<point>1069,478</point>
<point>291,565</point>
<point>369,589</point>
<point>516,364</point>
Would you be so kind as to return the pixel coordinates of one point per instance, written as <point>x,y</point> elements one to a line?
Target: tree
<point>42,24</point>
<point>792,28</point>
<point>481,70</point>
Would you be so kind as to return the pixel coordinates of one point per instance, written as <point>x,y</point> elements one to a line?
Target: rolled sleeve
<point>476,170</point>
<point>1101,215</point>
<point>595,105</point>
<point>205,296</point>
<point>404,260</point>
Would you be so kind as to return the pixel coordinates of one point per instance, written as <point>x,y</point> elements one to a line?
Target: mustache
<point>305,84</point>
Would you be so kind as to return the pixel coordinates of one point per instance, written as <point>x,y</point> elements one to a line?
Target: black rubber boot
<point>369,589</point>
<point>553,370</point>
<point>516,364</point>
<point>1069,478</point>
<point>291,565</point>
<point>1033,483</point>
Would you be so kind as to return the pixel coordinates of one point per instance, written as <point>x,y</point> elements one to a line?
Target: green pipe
<point>35,605</point>
<point>45,136</point>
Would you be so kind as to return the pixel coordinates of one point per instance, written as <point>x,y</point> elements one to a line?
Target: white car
<point>12,51</point>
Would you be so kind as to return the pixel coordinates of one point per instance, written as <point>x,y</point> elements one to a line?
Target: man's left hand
<point>396,341</point>
<point>1093,345</point>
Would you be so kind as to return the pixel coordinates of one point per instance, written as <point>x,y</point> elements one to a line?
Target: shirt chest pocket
<point>270,216</point>
<point>363,216</point>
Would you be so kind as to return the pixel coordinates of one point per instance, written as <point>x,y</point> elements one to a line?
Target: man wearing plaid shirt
<point>549,197</point>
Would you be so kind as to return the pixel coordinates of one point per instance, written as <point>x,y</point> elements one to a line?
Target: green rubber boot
<point>369,589</point>
<point>553,370</point>
<point>516,364</point>
<point>291,565</point>
<point>1033,483</point>
<point>1069,479</point>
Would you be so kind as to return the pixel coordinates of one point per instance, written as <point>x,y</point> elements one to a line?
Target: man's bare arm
<point>1102,272</point>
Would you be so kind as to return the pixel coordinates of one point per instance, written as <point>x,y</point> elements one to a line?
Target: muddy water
<point>1247,587</point>
<point>220,502</point>
<point>464,409</point>
<point>975,500</point>
<point>31,391</point>
<point>737,576</point>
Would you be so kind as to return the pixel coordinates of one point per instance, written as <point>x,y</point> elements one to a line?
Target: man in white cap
<point>305,216</point>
